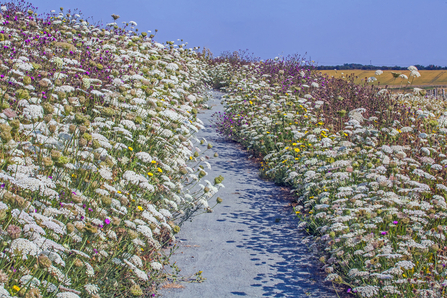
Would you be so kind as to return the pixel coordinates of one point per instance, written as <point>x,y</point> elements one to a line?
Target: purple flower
<point>395,222</point>
<point>107,221</point>
<point>384,232</point>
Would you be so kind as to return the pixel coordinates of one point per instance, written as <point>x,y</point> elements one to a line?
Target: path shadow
<point>261,225</point>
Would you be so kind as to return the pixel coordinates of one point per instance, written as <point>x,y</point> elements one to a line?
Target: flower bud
<point>44,261</point>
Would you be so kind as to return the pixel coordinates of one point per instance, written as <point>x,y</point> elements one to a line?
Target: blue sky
<point>385,32</point>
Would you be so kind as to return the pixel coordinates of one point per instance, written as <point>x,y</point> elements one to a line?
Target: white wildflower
<point>144,157</point>
<point>24,247</point>
<point>67,295</point>
<point>91,288</point>
<point>405,265</point>
<point>156,266</point>
<point>106,172</point>
<point>367,291</point>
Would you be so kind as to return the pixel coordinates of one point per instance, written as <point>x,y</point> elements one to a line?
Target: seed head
<point>14,231</point>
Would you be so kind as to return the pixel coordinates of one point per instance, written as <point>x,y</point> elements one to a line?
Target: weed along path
<point>249,246</point>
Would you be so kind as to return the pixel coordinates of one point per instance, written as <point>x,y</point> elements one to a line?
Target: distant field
<point>428,77</point>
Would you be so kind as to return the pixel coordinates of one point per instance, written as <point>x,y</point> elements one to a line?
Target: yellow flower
<point>118,191</point>
<point>346,134</point>
<point>286,148</point>
<point>297,212</point>
<point>130,148</point>
<point>404,275</point>
<point>268,132</point>
<point>160,170</point>
<point>250,102</point>
<point>140,208</point>
<point>153,161</point>
<point>73,175</point>
<point>297,150</point>
<point>142,249</point>
<point>294,144</point>
<point>150,174</point>
<point>15,288</point>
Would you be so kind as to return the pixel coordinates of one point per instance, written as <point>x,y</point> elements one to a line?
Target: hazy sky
<point>385,32</point>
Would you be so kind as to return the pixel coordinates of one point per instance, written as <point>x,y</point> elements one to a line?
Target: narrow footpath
<point>250,245</point>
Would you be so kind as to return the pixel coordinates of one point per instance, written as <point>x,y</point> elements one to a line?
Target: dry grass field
<point>428,78</point>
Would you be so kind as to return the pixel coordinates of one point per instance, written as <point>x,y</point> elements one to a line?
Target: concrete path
<point>249,246</point>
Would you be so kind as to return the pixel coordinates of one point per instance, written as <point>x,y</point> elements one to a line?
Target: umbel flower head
<point>115,17</point>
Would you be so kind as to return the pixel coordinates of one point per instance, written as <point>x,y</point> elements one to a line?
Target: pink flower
<point>107,221</point>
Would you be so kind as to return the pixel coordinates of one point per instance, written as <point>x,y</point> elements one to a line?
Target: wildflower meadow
<point>97,127</point>
<point>99,165</point>
<point>368,168</point>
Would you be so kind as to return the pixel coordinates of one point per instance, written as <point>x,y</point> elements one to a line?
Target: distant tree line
<point>372,67</point>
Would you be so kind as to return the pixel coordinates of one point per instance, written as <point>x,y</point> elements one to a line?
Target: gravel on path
<point>250,245</point>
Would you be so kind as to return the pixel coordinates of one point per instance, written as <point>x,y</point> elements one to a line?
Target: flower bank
<point>96,127</point>
<point>367,167</point>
